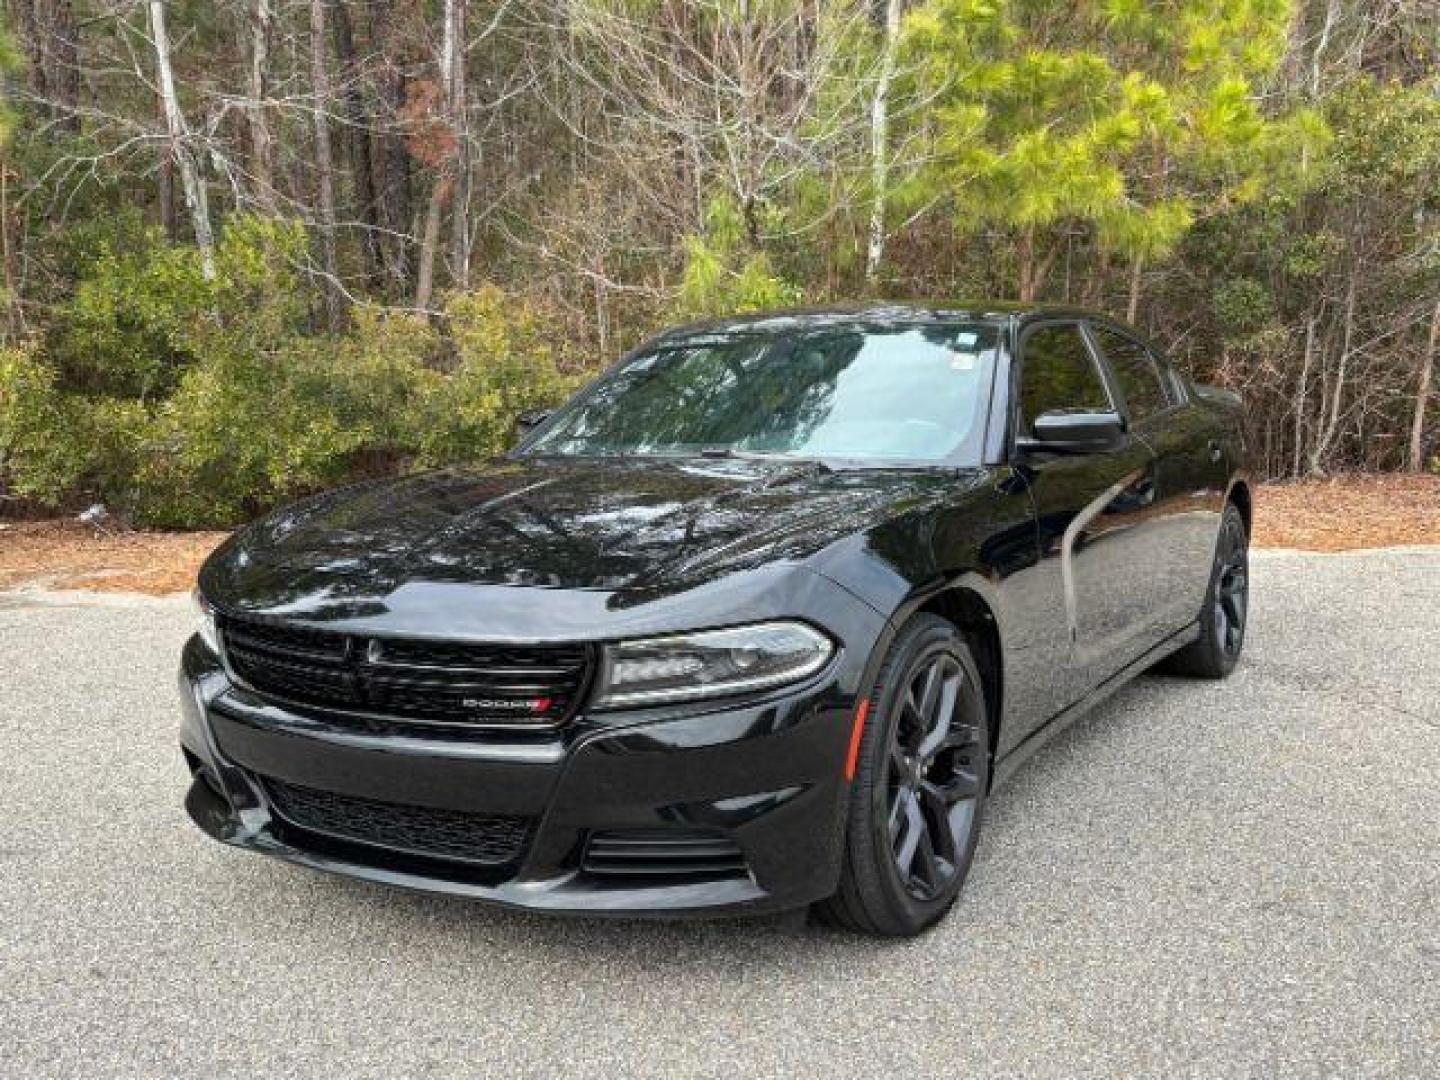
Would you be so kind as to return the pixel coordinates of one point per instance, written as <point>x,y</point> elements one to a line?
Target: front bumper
<point>766,777</point>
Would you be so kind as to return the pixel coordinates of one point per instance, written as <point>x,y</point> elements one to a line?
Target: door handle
<point>1216,450</point>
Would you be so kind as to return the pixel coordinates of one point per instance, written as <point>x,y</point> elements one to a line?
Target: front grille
<point>429,682</point>
<point>414,830</point>
<point>662,853</point>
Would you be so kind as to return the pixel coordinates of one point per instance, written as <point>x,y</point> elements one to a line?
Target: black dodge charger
<point>757,620</point>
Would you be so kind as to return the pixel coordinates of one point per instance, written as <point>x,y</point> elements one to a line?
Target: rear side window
<point>1057,373</point>
<point>1136,371</point>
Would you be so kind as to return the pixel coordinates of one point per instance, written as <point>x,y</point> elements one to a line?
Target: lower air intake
<point>662,853</point>
<point>413,830</point>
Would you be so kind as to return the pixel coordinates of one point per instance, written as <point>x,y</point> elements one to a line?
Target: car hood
<point>632,530</point>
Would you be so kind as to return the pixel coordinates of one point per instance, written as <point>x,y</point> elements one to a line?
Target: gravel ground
<point>1234,879</point>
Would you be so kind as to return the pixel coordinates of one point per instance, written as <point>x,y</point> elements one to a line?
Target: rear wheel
<point>919,788</point>
<point>1227,603</point>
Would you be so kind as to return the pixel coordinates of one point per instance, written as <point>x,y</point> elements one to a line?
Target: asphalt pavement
<point>1234,879</point>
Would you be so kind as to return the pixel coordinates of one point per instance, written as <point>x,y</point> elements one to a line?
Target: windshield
<point>898,394</point>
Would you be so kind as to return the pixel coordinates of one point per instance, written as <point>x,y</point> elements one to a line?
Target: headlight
<point>709,664</point>
<point>205,622</point>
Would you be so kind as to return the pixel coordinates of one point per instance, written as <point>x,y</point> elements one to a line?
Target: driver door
<point>1092,512</point>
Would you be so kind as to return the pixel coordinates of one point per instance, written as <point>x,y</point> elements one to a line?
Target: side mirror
<point>529,420</point>
<point>1061,431</point>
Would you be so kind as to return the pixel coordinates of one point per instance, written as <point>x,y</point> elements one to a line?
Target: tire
<point>919,790</point>
<point>1214,654</point>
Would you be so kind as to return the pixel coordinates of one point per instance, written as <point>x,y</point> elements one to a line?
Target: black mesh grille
<point>663,853</point>
<point>430,682</point>
<point>415,830</point>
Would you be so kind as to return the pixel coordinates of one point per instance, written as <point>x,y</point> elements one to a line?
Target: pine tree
<point>1120,120</point>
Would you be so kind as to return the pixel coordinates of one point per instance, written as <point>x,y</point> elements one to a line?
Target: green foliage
<point>1243,306</point>
<point>1136,120</point>
<point>505,366</point>
<point>260,411</point>
<point>9,62</point>
<point>1387,141</point>
<point>725,273</point>
<point>144,313</point>
<point>56,443</point>
<point>242,431</point>
<point>1346,256</point>
<point>37,436</point>
<point>126,329</point>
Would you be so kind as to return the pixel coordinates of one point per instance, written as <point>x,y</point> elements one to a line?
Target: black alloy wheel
<point>933,783</point>
<point>1214,654</point>
<point>920,785</point>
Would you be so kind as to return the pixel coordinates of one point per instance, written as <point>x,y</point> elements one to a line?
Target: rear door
<point>1189,473</point>
<point>1092,513</point>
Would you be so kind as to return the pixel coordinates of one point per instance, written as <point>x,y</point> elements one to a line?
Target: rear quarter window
<point>1142,380</point>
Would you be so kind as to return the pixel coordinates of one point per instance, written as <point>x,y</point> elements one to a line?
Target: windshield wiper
<point>726,453</point>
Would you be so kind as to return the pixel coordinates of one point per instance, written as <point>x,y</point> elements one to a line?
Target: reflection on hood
<point>648,525</point>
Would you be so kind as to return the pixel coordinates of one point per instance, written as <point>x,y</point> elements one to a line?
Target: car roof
<point>880,313</point>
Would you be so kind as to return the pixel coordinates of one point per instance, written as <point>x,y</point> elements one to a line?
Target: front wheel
<point>919,787</point>
<point>1214,654</point>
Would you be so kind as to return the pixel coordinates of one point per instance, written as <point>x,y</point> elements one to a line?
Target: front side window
<point>1135,371</point>
<point>1058,375</point>
<point>900,394</point>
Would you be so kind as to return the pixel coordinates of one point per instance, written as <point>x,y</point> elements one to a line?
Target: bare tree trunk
<point>452,62</point>
<point>1034,267</point>
<point>262,142</point>
<point>1332,13</point>
<point>65,65</point>
<point>1026,255</point>
<point>165,181</point>
<point>324,161</point>
<point>1332,424</point>
<point>15,309</point>
<point>291,168</point>
<point>1093,293</point>
<point>455,35</point>
<point>1422,392</point>
<point>190,180</point>
<point>47,31</point>
<point>602,327</point>
<point>425,278</point>
<point>1302,392</point>
<point>29,24</point>
<point>357,141</point>
<point>880,140</point>
<point>394,198</point>
<point>1132,307</point>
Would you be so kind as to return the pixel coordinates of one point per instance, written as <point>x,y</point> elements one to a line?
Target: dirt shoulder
<point>70,555</point>
<point>1348,513</point>
<point>1343,513</point>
